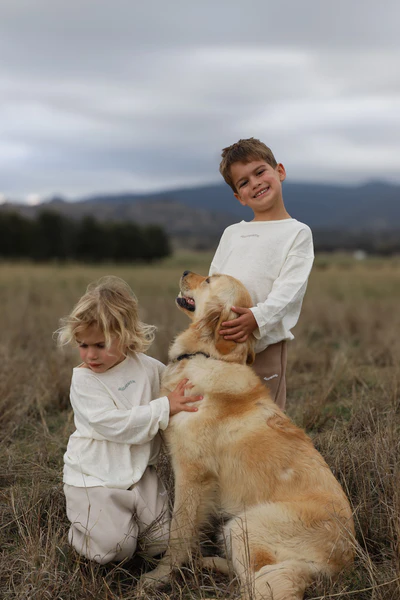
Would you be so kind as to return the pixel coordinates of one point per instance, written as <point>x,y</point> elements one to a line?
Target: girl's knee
<point>102,548</point>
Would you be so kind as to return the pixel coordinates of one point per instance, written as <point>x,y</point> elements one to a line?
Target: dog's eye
<point>207,280</point>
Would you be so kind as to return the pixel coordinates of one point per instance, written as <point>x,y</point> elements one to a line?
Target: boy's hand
<point>177,400</point>
<point>240,328</point>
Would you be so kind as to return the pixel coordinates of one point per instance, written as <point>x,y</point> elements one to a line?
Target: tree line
<point>379,243</point>
<point>51,236</point>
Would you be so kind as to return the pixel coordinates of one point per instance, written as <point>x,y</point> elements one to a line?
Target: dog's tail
<point>286,580</point>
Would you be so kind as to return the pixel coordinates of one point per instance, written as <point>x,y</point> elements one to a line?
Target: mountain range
<point>201,213</point>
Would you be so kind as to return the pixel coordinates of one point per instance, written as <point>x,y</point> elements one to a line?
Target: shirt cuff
<point>164,415</point>
<point>258,317</point>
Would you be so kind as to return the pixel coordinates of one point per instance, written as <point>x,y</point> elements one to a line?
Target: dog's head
<point>208,302</point>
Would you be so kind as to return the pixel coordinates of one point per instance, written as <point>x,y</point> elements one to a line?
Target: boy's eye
<point>260,172</point>
<point>242,184</point>
<point>82,345</point>
<point>100,345</point>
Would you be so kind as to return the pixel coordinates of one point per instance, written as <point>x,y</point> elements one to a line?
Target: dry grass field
<point>343,388</point>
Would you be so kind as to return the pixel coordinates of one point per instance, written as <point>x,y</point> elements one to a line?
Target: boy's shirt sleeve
<point>94,406</point>
<point>215,266</point>
<point>288,290</point>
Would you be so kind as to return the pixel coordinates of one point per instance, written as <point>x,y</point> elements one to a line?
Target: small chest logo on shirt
<point>123,388</point>
<point>250,235</point>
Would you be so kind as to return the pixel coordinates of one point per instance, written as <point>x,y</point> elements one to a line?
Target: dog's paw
<point>156,578</point>
<point>217,563</point>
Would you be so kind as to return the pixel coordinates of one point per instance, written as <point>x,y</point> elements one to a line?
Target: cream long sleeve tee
<point>117,417</point>
<point>273,259</point>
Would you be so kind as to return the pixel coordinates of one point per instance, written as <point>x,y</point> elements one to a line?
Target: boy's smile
<point>259,186</point>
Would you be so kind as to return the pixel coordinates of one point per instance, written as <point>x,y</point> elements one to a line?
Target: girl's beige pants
<point>107,523</point>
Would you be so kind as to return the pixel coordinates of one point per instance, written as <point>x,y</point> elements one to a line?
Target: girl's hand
<point>179,402</point>
<point>240,328</point>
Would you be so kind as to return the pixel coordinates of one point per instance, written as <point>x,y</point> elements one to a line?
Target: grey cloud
<point>94,94</point>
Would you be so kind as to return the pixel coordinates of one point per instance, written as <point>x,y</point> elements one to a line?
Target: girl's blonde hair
<point>111,305</point>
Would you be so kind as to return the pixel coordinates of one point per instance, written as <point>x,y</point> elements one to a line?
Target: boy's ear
<point>281,171</point>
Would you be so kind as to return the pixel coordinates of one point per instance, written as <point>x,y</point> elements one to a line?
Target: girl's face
<point>93,351</point>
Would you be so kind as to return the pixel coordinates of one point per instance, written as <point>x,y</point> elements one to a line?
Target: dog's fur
<point>288,520</point>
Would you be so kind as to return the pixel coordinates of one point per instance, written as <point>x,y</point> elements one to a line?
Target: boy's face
<point>259,186</point>
<point>93,351</point>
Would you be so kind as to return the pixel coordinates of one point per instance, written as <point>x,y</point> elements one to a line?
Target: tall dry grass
<point>343,387</point>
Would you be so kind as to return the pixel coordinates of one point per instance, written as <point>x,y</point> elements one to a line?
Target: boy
<point>272,255</point>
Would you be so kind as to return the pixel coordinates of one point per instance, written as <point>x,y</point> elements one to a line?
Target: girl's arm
<point>95,408</point>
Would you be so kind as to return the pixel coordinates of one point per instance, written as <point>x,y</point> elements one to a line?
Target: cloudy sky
<point>129,95</point>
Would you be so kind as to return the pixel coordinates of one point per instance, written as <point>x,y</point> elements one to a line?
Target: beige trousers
<point>107,522</point>
<point>270,366</point>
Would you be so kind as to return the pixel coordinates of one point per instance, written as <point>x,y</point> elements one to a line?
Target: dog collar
<point>183,356</point>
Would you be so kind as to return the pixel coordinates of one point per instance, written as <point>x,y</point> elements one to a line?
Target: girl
<point>113,493</point>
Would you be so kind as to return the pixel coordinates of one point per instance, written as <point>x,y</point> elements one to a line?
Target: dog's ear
<point>241,298</point>
<point>222,345</point>
<point>212,318</point>
<point>217,311</point>
<point>228,346</point>
<point>210,324</point>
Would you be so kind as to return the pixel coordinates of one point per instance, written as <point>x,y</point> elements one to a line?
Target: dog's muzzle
<point>186,303</point>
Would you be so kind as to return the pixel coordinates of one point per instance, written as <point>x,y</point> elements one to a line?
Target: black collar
<point>183,356</point>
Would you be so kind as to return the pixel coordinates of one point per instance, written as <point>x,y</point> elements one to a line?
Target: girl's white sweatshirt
<point>117,418</point>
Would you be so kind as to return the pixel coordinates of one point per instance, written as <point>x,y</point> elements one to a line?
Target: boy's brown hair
<point>244,151</point>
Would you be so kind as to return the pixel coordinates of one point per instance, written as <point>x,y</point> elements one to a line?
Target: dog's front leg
<point>194,502</point>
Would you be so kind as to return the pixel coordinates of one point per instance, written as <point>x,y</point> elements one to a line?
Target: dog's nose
<point>185,273</point>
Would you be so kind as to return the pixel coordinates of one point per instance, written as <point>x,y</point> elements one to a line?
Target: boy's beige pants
<point>270,366</point>
<point>106,522</point>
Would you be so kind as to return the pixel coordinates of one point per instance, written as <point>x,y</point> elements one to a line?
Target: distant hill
<point>201,213</point>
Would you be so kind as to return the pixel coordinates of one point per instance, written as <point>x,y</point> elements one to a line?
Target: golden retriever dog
<point>287,519</point>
